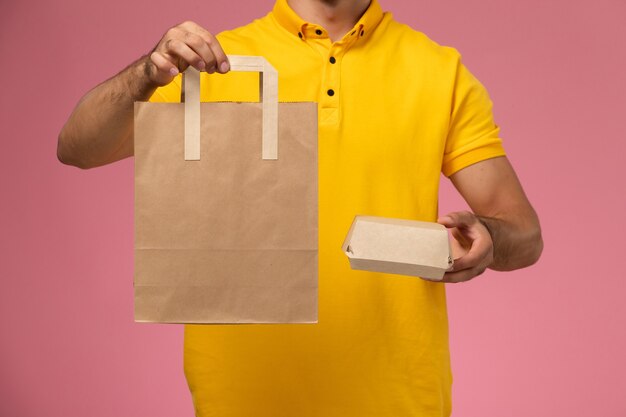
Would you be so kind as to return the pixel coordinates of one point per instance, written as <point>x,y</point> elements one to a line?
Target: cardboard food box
<point>396,246</point>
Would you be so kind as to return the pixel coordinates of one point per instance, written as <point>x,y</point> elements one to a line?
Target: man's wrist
<point>137,80</point>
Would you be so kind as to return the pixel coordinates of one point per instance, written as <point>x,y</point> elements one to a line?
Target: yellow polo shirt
<point>395,110</point>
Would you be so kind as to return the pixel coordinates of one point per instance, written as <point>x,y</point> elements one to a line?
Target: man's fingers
<point>447,221</point>
<point>163,64</point>
<point>183,51</point>
<point>163,70</point>
<point>478,252</point>
<point>201,48</point>
<point>459,219</point>
<point>462,276</point>
<point>471,264</point>
<point>190,44</point>
<point>187,44</point>
<point>221,63</point>
<point>460,237</point>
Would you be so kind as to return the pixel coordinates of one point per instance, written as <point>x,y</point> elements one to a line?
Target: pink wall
<point>547,341</point>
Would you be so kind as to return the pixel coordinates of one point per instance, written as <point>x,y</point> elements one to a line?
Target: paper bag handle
<point>268,87</point>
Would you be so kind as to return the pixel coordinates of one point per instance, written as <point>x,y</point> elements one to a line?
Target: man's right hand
<point>100,129</point>
<point>184,45</point>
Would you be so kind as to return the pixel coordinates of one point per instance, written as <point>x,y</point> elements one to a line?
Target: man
<point>395,110</point>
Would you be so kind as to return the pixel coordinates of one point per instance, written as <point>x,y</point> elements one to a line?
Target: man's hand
<point>472,242</point>
<point>184,45</point>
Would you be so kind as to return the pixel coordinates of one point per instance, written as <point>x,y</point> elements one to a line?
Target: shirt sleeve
<point>473,135</point>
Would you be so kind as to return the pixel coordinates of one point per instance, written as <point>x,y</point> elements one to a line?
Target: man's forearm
<point>515,245</point>
<point>99,130</point>
<point>495,195</point>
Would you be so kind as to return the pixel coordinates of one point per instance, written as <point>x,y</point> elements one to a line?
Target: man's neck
<point>336,16</point>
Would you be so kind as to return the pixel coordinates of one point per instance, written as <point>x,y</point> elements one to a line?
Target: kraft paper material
<point>398,246</point>
<point>223,235</point>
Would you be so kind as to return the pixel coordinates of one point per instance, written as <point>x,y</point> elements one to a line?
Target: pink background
<point>546,341</point>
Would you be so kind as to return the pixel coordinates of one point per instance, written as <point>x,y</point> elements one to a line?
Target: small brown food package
<point>396,246</point>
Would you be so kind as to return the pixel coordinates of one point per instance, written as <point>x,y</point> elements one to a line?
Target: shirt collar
<point>288,19</point>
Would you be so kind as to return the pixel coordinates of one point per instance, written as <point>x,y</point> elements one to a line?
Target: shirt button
<point>331,92</point>
<point>300,35</point>
<point>319,32</point>
<point>332,60</point>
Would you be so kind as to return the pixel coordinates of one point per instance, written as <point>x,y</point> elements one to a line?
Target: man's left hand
<point>472,242</point>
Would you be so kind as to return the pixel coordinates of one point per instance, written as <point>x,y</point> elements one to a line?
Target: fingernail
<point>224,66</point>
<point>211,70</point>
<point>173,72</point>
<point>200,65</point>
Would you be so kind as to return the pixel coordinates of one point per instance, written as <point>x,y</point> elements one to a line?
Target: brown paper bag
<point>226,207</point>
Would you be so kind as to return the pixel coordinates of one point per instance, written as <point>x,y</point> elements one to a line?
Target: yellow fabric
<point>404,110</point>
